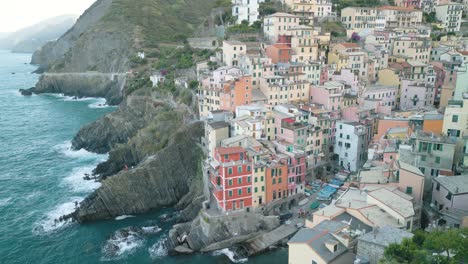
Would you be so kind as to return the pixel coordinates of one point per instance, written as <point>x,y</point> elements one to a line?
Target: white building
<point>450,15</point>
<point>351,145</point>
<point>246,10</point>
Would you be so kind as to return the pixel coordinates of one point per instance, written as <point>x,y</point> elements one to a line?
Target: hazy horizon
<point>24,13</point>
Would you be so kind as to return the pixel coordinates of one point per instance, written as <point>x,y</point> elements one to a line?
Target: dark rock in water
<point>13,73</point>
<point>26,92</point>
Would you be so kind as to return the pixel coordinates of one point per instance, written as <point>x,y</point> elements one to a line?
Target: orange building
<point>433,125</point>
<point>276,181</point>
<point>385,124</point>
<point>279,53</point>
<point>236,92</point>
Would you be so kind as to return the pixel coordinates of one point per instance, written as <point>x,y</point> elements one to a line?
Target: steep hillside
<point>110,33</point>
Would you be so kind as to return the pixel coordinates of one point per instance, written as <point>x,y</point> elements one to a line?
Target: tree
<point>448,246</point>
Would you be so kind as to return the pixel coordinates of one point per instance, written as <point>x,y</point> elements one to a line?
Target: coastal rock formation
<point>172,174</point>
<point>90,84</point>
<point>209,232</point>
<point>118,127</point>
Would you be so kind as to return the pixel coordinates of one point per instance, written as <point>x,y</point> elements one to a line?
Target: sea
<point>41,179</point>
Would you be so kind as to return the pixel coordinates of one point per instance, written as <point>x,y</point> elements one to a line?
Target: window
<point>438,186</point>
<point>256,189</point>
<point>261,178</point>
<point>239,180</point>
<point>279,180</point>
<point>437,160</point>
<point>409,190</point>
<point>249,190</point>
<point>423,158</point>
<point>229,171</point>
<point>449,196</point>
<point>239,191</point>
<point>274,181</point>
<point>256,170</point>
<point>256,179</point>
<point>239,169</point>
<point>454,118</point>
<point>249,179</point>
<point>230,182</point>
<point>263,188</point>
<point>226,157</point>
<point>408,225</point>
<point>230,193</point>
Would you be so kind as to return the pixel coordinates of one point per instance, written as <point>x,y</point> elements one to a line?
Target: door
<point>260,200</point>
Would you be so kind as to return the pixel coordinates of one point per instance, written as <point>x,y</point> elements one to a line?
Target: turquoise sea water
<point>41,178</point>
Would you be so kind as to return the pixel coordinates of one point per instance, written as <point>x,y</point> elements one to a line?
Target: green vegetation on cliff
<point>156,21</point>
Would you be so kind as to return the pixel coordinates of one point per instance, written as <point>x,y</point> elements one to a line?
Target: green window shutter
<point>263,188</point>
<point>274,181</point>
<point>239,180</point>
<point>256,189</point>
<point>230,194</point>
<point>256,179</point>
<point>249,190</point>
<point>261,178</point>
<point>239,191</point>
<point>279,180</point>
<point>420,146</point>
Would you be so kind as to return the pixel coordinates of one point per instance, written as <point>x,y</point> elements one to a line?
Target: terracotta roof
<point>398,8</point>
<point>349,45</point>
<point>281,46</point>
<point>229,150</point>
<point>463,52</point>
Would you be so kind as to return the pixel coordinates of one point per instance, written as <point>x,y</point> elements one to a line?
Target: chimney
<point>375,231</point>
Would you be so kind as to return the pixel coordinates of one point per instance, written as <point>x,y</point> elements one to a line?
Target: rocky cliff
<point>90,84</point>
<point>171,175</point>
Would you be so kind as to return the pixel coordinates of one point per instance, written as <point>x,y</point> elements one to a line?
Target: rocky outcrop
<point>171,175</point>
<point>90,84</point>
<point>209,232</point>
<point>119,127</point>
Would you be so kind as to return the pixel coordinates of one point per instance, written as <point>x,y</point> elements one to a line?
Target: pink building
<point>296,160</point>
<point>348,77</point>
<point>439,80</point>
<point>415,95</point>
<point>330,95</point>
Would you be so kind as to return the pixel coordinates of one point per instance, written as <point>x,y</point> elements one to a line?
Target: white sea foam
<point>122,244</point>
<point>5,201</point>
<point>158,250</point>
<point>76,182</point>
<point>48,223</point>
<point>150,230</point>
<point>66,149</point>
<point>100,103</point>
<point>122,217</point>
<point>228,253</point>
<point>76,99</point>
<point>32,195</point>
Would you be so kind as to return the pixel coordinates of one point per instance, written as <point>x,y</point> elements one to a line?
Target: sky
<point>17,14</point>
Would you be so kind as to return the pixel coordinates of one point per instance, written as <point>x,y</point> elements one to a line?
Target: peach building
<point>279,53</point>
